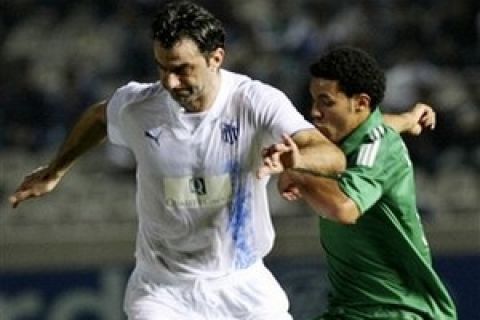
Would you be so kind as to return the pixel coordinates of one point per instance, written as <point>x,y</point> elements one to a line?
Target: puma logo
<point>153,134</point>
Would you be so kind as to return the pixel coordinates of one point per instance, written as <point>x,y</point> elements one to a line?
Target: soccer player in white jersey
<point>197,137</point>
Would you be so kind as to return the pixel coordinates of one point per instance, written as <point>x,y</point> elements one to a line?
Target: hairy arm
<point>317,186</point>
<point>319,189</point>
<point>317,153</point>
<point>307,150</point>
<point>89,131</point>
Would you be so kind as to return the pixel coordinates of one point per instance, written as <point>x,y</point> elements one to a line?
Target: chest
<point>211,148</point>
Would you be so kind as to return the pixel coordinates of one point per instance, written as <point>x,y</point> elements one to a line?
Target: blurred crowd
<point>58,56</point>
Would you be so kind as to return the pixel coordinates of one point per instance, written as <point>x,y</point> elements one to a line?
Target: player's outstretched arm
<point>414,121</point>
<point>89,131</point>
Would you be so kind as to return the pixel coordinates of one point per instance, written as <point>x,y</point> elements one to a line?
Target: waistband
<point>167,277</point>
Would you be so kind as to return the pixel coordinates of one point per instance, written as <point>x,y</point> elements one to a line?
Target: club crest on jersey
<point>229,132</point>
<point>153,134</point>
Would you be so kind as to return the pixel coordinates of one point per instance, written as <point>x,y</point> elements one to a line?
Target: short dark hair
<point>184,19</point>
<point>355,70</point>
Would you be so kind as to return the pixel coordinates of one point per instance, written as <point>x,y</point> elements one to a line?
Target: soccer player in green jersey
<point>379,263</point>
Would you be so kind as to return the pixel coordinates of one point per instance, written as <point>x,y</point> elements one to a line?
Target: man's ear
<point>363,102</point>
<point>215,58</point>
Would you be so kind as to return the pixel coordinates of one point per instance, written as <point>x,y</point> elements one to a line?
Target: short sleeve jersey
<point>383,259</point>
<point>201,209</point>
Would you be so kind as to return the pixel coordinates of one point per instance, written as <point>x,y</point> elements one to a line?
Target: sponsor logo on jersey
<point>197,192</point>
<point>197,186</point>
<point>229,132</point>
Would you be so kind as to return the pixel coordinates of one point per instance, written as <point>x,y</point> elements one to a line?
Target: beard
<point>184,97</point>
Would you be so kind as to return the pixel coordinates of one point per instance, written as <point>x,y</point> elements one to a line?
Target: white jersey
<point>201,209</point>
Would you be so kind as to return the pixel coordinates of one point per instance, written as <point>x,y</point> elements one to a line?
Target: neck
<point>357,122</point>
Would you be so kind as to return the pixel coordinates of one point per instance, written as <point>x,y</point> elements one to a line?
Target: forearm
<point>89,131</point>
<point>320,155</point>
<point>399,122</point>
<point>324,196</point>
<point>414,121</point>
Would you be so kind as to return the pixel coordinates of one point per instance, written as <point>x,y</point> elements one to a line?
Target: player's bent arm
<point>419,117</point>
<point>88,132</point>
<point>325,197</point>
<point>319,154</point>
<point>399,122</point>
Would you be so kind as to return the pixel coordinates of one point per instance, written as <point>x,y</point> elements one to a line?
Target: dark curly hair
<point>184,19</point>
<point>355,70</point>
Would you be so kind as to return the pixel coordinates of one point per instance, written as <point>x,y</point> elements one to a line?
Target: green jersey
<point>383,261</point>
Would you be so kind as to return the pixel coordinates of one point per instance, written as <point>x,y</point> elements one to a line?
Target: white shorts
<point>251,294</point>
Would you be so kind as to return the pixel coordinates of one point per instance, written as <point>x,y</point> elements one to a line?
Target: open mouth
<point>181,93</point>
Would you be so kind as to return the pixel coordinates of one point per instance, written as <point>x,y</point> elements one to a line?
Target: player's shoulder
<point>376,133</point>
<point>374,145</point>
<point>389,138</point>
<point>133,91</point>
<point>133,98</point>
<point>247,88</point>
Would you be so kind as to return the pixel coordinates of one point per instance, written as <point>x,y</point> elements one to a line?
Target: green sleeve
<point>361,184</point>
<point>365,184</point>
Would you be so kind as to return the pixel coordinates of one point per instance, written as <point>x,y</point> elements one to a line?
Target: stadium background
<point>68,255</point>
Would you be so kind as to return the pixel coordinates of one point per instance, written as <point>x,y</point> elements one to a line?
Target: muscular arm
<point>306,150</point>
<point>317,185</point>
<point>317,153</point>
<point>89,131</point>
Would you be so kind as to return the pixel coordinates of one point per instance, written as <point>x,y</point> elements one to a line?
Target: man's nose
<point>315,113</point>
<point>171,80</point>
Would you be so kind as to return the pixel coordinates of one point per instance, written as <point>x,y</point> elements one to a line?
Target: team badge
<point>230,132</point>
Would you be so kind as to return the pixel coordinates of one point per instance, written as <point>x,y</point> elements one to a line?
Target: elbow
<point>345,213</point>
<point>347,217</point>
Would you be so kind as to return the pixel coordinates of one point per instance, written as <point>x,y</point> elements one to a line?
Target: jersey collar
<point>211,114</point>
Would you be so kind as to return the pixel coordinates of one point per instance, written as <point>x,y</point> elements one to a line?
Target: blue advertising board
<point>95,294</point>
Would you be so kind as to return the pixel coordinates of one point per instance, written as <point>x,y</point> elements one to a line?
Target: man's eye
<point>182,71</point>
<point>328,103</point>
<point>323,103</point>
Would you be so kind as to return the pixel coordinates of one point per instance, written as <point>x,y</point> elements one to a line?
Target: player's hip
<point>249,293</point>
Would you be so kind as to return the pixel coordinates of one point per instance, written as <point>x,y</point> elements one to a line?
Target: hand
<point>36,184</point>
<point>422,116</point>
<point>279,157</point>
<point>287,188</point>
